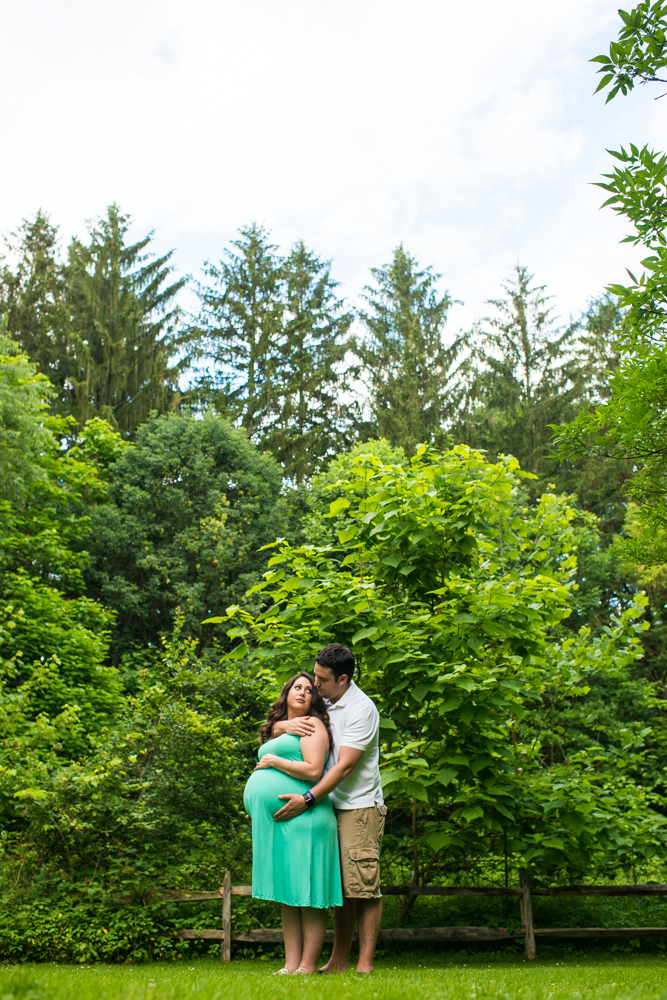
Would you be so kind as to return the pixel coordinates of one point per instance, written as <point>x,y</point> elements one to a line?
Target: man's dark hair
<point>338,658</point>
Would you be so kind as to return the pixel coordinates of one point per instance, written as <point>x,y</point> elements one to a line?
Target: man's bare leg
<point>369,917</point>
<point>344,920</point>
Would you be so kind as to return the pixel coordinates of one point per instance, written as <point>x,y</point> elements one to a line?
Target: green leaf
<point>338,506</point>
<point>436,841</point>
<point>420,692</point>
<point>389,777</point>
<point>415,789</point>
<point>457,758</point>
<point>365,633</point>
<point>391,561</point>
<point>467,712</point>
<point>237,652</point>
<point>471,813</point>
<point>604,81</point>
<point>347,534</point>
<point>451,703</point>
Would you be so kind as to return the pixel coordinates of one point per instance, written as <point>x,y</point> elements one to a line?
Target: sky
<point>468,132</point>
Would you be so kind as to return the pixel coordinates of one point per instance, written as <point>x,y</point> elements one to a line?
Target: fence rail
<point>524,892</point>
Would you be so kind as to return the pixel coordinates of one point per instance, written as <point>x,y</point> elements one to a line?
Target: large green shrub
<point>452,592</point>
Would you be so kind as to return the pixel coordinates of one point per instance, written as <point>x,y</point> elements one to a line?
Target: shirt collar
<point>343,700</point>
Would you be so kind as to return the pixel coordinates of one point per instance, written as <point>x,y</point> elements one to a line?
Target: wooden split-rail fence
<point>523,891</point>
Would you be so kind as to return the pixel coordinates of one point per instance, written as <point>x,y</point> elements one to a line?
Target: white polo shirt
<point>355,723</point>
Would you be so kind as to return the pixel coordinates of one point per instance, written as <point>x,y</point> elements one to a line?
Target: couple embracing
<point>317,814</point>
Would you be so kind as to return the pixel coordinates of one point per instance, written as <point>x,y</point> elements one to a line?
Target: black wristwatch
<point>309,799</point>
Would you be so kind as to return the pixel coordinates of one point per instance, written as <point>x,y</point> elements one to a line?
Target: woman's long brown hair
<point>278,710</point>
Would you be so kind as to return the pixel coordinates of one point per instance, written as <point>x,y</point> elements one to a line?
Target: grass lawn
<point>470,979</point>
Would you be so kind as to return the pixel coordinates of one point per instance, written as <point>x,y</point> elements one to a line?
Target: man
<point>352,782</point>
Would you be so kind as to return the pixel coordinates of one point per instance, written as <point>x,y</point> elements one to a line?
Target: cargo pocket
<point>363,870</point>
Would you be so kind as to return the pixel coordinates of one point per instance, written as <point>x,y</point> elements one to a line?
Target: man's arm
<point>301,726</point>
<point>296,804</point>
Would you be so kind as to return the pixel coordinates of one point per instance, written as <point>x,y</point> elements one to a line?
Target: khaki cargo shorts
<point>359,838</point>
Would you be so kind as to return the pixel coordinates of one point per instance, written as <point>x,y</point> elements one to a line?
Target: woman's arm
<point>313,748</point>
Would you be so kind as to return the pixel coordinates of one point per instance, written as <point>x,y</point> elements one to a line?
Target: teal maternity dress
<point>296,861</point>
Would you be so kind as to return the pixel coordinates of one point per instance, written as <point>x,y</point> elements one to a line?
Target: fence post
<point>226,943</point>
<point>527,913</point>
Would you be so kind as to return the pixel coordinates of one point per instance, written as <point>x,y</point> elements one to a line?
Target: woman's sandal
<point>283,972</point>
<point>301,972</point>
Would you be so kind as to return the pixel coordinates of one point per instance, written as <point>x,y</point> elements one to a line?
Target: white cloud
<point>467,131</point>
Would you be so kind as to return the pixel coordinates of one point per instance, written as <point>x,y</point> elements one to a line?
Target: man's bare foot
<point>364,970</point>
<point>332,967</point>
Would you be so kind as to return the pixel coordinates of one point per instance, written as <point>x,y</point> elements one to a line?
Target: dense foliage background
<point>192,505</point>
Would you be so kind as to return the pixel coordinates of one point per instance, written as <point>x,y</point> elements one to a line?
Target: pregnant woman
<point>295,862</point>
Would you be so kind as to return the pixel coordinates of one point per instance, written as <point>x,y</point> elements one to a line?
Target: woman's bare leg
<point>314,923</point>
<point>293,934</point>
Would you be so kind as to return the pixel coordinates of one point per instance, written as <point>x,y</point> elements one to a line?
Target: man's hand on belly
<point>294,806</point>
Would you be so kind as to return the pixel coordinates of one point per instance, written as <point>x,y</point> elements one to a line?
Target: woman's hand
<point>268,760</point>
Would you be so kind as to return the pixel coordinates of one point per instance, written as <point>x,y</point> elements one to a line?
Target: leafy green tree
<point>630,425</point>
<point>55,687</point>
<point>45,491</point>
<point>318,527</point>
<point>640,52</point>
<point>190,505</point>
<point>123,327</point>
<point>451,593</point>
<point>311,419</point>
<point>53,641</point>
<point>100,790</point>
<point>155,803</point>
<point>652,579</point>
<point>24,398</point>
<point>406,365</point>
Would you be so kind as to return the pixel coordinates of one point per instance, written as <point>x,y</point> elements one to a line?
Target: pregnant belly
<point>263,788</point>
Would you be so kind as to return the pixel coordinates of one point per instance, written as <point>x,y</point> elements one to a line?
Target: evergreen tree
<point>275,336</point>
<point>123,327</point>
<point>102,326</point>
<point>519,377</point>
<point>596,351</point>
<point>598,484</point>
<point>311,421</point>
<point>240,325</point>
<point>32,296</point>
<point>406,366</point>
<point>524,377</point>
